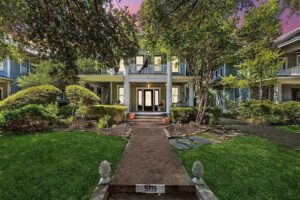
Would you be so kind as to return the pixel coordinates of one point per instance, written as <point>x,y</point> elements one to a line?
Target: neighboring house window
<point>121,94</point>
<point>284,65</point>
<point>1,67</point>
<point>157,63</point>
<point>217,73</point>
<point>122,65</point>
<point>175,94</point>
<point>175,64</point>
<point>221,72</point>
<point>1,93</point>
<point>298,60</point>
<point>139,61</point>
<point>24,67</point>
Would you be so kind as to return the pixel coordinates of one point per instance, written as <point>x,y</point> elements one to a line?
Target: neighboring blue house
<point>287,85</point>
<point>10,70</point>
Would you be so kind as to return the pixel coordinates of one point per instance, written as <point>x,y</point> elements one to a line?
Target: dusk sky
<point>287,23</point>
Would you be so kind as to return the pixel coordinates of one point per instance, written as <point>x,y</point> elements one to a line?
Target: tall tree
<point>199,32</point>
<point>257,53</point>
<point>64,30</point>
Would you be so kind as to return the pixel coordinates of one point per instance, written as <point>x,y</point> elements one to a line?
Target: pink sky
<point>288,23</point>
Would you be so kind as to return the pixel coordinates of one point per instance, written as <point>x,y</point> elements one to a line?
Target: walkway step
<point>125,196</point>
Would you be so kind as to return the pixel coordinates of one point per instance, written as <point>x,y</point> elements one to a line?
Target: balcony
<point>151,69</point>
<point>294,71</point>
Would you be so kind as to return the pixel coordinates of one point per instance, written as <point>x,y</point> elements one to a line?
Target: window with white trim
<point>175,64</point>
<point>1,66</point>
<point>298,60</point>
<point>122,65</point>
<point>284,65</point>
<point>24,66</point>
<point>175,94</point>
<point>157,63</point>
<point>121,94</point>
<point>139,61</point>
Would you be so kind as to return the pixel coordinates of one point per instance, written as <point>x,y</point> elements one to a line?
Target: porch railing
<point>290,71</point>
<point>151,69</point>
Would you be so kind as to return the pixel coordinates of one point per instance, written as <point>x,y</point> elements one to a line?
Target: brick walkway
<point>149,159</point>
<point>267,132</point>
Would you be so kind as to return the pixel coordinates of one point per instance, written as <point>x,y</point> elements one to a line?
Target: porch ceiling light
<point>148,85</point>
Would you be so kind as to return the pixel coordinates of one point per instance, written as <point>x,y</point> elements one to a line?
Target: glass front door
<point>147,100</point>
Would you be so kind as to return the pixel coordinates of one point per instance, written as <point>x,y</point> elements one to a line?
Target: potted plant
<point>131,115</point>
<point>165,120</point>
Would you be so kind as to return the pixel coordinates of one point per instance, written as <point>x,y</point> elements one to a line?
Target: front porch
<point>5,87</point>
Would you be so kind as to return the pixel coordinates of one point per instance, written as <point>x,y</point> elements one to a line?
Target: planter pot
<point>165,120</point>
<point>131,115</point>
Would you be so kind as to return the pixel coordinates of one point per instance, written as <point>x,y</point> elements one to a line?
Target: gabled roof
<point>289,37</point>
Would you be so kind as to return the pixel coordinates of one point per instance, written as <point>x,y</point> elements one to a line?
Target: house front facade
<point>10,70</point>
<point>144,88</point>
<point>287,82</point>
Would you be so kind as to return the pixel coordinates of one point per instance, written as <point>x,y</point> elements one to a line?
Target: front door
<point>148,100</point>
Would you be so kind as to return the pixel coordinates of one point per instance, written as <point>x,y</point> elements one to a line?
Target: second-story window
<point>221,72</point>
<point>284,65</point>
<point>139,61</point>
<point>157,63</point>
<point>298,60</point>
<point>217,73</point>
<point>122,65</point>
<point>175,64</point>
<point>1,66</point>
<point>24,67</point>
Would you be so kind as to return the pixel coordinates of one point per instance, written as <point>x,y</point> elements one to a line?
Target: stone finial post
<point>104,171</point>
<point>198,172</point>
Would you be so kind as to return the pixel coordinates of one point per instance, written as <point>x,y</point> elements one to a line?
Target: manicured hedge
<point>267,112</point>
<point>99,111</point>
<point>80,96</point>
<point>29,118</point>
<point>44,94</point>
<point>188,114</point>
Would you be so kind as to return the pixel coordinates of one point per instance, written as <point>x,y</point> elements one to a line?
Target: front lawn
<point>54,165</point>
<point>292,128</point>
<point>248,168</point>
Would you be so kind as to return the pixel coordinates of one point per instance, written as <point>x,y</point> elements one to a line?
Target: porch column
<point>191,94</point>
<point>169,86</point>
<point>126,88</point>
<point>8,89</point>
<point>278,93</point>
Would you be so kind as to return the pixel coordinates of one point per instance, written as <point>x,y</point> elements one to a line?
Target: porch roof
<point>101,78</point>
<point>182,79</point>
<point>4,79</point>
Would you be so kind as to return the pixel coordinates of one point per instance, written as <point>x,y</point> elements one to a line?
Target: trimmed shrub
<point>44,95</point>
<point>80,96</point>
<point>267,112</point>
<point>291,111</point>
<point>66,111</point>
<point>183,114</point>
<point>188,114</point>
<point>103,121</point>
<point>212,115</point>
<point>98,111</point>
<point>30,118</point>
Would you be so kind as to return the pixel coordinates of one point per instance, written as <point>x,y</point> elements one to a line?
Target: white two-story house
<point>162,84</point>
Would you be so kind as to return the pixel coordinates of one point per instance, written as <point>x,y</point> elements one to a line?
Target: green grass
<point>248,168</point>
<point>292,128</point>
<point>54,165</point>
